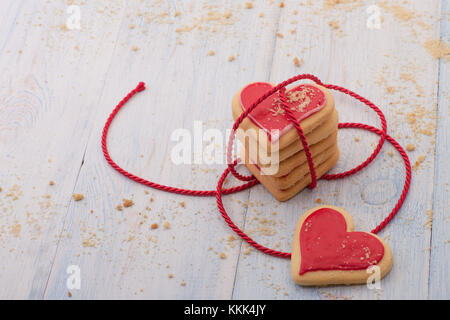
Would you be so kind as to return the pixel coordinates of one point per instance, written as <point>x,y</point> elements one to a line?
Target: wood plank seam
<point>100,96</point>
<point>274,43</point>
<point>439,94</point>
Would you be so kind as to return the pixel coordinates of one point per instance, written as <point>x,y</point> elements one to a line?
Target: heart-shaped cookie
<point>327,251</point>
<point>303,100</point>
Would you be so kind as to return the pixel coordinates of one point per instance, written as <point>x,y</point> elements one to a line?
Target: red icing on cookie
<point>325,244</point>
<point>304,100</point>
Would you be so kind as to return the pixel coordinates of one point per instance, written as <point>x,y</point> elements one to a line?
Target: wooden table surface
<point>66,64</point>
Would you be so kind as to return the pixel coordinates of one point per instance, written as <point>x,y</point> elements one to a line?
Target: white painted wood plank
<point>128,259</point>
<point>336,45</point>
<point>58,90</point>
<point>440,245</point>
<point>45,123</point>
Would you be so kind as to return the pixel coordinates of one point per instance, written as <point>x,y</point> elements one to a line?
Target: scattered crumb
<point>69,294</point>
<point>390,90</point>
<point>154,226</point>
<point>78,196</point>
<point>280,35</point>
<point>211,53</point>
<point>429,222</point>
<point>166,225</point>
<point>410,147</point>
<point>281,4</point>
<point>248,5</point>
<point>170,275</point>
<point>182,204</point>
<point>357,139</point>
<point>318,200</point>
<point>135,48</point>
<point>15,230</point>
<point>420,159</point>
<point>298,62</point>
<point>334,24</point>
<point>183,284</point>
<point>223,255</point>
<point>52,183</point>
<point>438,49</point>
<point>119,207</point>
<point>127,203</point>
<point>231,58</point>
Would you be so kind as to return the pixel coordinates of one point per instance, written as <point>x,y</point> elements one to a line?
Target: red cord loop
<point>251,180</point>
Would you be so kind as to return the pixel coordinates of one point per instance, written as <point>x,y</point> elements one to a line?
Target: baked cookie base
<point>284,195</point>
<point>334,277</point>
<point>298,159</point>
<point>261,155</point>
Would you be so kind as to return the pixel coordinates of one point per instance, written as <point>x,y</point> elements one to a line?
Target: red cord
<point>199,193</point>
<point>290,115</point>
<point>251,180</point>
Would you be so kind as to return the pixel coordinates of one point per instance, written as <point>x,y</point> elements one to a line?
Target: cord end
<point>140,86</point>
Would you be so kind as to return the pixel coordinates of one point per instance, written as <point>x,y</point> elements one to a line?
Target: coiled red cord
<point>251,181</point>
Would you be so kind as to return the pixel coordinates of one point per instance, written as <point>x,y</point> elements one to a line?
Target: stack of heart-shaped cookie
<point>271,148</point>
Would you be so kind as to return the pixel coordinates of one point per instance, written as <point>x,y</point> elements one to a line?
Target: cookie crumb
<point>390,90</point>
<point>78,196</point>
<point>318,200</point>
<point>135,48</point>
<point>183,284</point>
<point>357,139</point>
<point>182,204</point>
<point>154,226</point>
<point>52,183</point>
<point>420,159</point>
<point>166,225</point>
<point>248,5</point>
<point>211,53</point>
<point>119,207</point>
<point>223,255</point>
<point>127,203</point>
<point>281,4</point>
<point>170,275</point>
<point>298,62</point>
<point>438,49</point>
<point>231,58</point>
<point>280,35</point>
<point>410,147</point>
<point>334,24</point>
<point>69,294</point>
<point>15,230</point>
